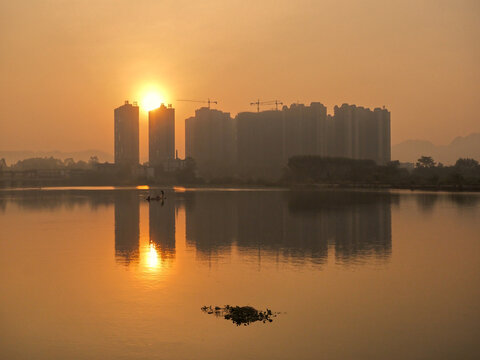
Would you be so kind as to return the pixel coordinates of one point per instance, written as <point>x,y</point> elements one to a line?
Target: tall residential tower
<point>161,135</point>
<point>210,140</point>
<point>126,135</point>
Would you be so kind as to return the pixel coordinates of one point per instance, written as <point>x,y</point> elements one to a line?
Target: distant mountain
<point>460,147</point>
<point>12,157</point>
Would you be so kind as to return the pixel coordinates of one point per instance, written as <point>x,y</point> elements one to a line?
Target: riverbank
<point>246,186</point>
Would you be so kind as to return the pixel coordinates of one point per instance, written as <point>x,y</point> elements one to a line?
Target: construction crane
<point>269,102</point>
<point>203,101</point>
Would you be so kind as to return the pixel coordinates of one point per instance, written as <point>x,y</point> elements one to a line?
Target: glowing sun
<point>151,101</point>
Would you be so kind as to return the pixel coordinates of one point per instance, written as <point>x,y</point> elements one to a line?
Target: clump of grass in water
<point>240,315</point>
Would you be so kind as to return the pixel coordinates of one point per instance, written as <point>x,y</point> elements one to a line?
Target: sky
<point>66,64</point>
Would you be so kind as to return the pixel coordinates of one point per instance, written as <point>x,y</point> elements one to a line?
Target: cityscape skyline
<point>418,58</point>
<point>253,144</point>
<point>216,179</point>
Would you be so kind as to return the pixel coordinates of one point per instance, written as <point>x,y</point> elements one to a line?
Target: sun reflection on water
<point>154,263</point>
<point>152,258</point>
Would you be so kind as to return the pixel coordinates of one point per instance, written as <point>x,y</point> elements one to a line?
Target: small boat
<point>156,198</point>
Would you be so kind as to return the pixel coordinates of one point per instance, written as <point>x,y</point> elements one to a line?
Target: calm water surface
<point>103,274</point>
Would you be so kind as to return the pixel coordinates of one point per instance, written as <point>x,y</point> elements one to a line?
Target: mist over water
<point>101,273</point>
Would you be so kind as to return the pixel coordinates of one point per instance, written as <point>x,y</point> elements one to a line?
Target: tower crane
<point>203,101</point>
<point>268,102</point>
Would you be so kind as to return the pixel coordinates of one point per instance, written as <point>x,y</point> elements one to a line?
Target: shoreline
<point>289,187</point>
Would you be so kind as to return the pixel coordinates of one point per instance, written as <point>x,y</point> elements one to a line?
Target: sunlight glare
<point>151,100</point>
<point>152,257</point>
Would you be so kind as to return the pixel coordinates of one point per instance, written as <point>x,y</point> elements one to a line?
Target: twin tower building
<point>161,135</point>
<point>256,144</point>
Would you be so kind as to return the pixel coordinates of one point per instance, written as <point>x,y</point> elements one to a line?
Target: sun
<point>151,100</point>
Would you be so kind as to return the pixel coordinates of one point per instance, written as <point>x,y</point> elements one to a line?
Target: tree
<point>188,173</point>
<point>466,163</point>
<point>425,162</point>
<point>93,160</point>
<point>80,164</point>
<point>393,164</point>
<point>317,169</point>
<point>69,162</point>
<point>456,179</point>
<point>38,163</point>
<point>3,164</point>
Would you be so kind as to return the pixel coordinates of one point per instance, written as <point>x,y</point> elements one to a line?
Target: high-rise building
<point>305,130</point>
<point>161,135</point>
<point>267,139</point>
<point>260,147</point>
<point>264,141</point>
<point>210,141</point>
<point>360,133</point>
<point>343,131</point>
<point>382,118</point>
<point>126,134</point>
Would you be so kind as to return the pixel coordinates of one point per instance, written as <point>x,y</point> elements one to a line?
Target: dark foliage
<point>53,163</point>
<point>324,170</point>
<point>187,175</point>
<point>240,315</point>
<point>316,169</point>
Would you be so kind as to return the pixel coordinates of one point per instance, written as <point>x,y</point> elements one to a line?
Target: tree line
<point>49,163</point>
<point>426,172</point>
<point>300,170</point>
<point>90,172</point>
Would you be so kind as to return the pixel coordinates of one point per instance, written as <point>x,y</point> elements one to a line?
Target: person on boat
<point>156,198</point>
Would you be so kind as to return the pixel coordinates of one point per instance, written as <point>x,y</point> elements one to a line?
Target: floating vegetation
<point>240,315</point>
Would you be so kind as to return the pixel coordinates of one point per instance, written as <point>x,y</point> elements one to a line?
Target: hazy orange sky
<point>66,64</point>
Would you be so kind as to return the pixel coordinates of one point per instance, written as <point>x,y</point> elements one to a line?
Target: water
<point>103,274</point>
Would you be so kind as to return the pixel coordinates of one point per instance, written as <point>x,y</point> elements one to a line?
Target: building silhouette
<point>360,133</point>
<point>306,130</point>
<point>161,136</point>
<point>126,134</point>
<point>259,144</point>
<point>127,226</point>
<point>210,140</point>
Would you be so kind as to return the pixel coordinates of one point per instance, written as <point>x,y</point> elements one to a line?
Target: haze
<point>65,65</point>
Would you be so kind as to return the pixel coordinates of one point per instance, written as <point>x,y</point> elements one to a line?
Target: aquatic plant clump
<point>240,315</point>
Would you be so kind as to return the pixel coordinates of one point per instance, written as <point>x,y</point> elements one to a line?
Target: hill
<point>461,147</point>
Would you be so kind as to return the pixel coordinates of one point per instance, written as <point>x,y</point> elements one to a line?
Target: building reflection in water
<point>3,205</point>
<point>291,226</point>
<point>211,222</point>
<point>127,226</point>
<point>357,224</point>
<point>294,227</point>
<point>129,249</point>
<point>162,227</point>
